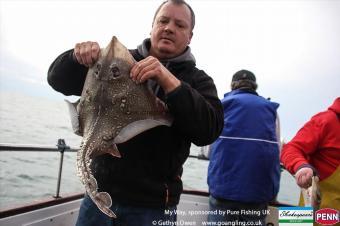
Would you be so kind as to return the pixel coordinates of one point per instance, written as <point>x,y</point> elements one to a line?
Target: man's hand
<point>303,177</point>
<point>86,53</point>
<point>151,68</point>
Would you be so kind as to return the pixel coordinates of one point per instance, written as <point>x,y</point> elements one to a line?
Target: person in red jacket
<point>315,150</point>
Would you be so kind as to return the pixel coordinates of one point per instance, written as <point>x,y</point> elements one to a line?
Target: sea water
<point>29,176</point>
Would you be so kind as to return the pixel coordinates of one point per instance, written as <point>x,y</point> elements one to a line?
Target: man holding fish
<point>313,154</point>
<point>145,180</point>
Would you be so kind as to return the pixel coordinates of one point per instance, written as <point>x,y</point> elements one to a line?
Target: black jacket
<point>149,172</point>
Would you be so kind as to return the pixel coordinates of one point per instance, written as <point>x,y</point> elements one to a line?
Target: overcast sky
<point>292,46</point>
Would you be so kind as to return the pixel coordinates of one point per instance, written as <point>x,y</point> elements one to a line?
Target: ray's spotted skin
<point>112,109</point>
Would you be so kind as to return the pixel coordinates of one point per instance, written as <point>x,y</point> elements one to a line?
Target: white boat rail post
<point>61,148</point>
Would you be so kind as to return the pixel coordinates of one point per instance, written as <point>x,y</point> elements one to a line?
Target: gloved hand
<point>303,177</point>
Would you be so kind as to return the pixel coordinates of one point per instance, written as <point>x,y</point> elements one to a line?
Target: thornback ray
<point>112,109</point>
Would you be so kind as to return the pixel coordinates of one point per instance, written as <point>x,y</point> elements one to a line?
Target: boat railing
<point>56,199</point>
<point>61,147</point>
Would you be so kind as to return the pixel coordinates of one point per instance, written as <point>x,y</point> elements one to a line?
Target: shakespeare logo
<point>327,216</point>
<point>299,216</point>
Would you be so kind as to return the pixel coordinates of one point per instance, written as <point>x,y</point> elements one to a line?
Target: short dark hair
<point>244,84</point>
<point>177,2</point>
<point>244,79</point>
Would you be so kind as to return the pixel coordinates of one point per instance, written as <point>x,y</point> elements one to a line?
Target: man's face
<point>171,31</point>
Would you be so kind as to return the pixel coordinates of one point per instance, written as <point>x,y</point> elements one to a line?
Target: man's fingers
<point>86,53</point>
<point>305,180</point>
<point>146,72</point>
<point>304,177</point>
<point>148,75</point>
<point>95,52</point>
<point>137,68</point>
<point>76,53</point>
<point>145,69</point>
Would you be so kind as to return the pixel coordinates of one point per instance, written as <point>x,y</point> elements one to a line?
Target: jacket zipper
<point>166,194</point>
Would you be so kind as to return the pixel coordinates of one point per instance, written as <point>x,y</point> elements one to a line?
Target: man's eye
<point>180,25</point>
<point>163,21</point>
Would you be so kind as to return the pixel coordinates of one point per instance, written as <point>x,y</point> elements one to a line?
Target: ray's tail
<point>101,199</point>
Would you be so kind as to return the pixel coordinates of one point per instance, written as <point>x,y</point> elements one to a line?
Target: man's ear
<point>190,37</point>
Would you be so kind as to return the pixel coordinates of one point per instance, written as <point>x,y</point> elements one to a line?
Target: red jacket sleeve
<point>297,151</point>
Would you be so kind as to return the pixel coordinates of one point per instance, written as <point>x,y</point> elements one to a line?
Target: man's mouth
<point>167,39</point>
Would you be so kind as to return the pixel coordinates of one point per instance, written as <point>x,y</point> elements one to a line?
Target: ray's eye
<point>115,71</point>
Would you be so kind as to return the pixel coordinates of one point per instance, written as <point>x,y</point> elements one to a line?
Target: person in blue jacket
<point>244,167</point>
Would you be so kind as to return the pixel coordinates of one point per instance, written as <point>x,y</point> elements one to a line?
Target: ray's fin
<point>138,127</point>
<point>112,150</point>
<point>72,108</point>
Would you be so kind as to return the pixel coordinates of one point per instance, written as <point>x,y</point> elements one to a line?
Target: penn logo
<point>327,216</point>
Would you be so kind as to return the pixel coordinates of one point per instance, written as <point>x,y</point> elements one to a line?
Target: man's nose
<point>170,27</point>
